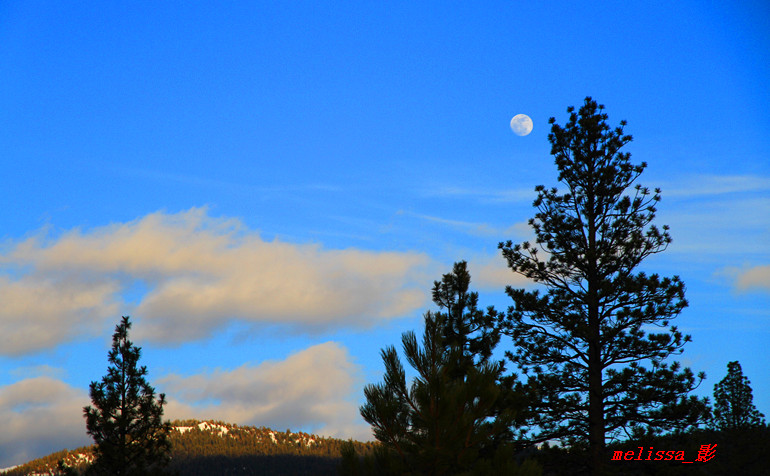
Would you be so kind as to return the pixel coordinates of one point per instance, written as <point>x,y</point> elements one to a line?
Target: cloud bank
<point>197,273</point>
<point>39,416</point>
<point>312,389</point>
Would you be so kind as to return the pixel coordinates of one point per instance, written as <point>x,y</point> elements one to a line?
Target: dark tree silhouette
<point>734,403</point>
<point>584,341</point>
<point>457,416</point>
<point>125,420</point>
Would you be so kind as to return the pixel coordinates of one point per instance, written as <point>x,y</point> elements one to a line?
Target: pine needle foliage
<point>457,415</point>
<point>594,344</point>
<point>734,403</point>
<point>125,420</point>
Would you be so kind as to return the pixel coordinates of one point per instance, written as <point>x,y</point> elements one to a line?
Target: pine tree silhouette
<point>458,414</point>
<point>584,341</point>
<point>125,419</point>
<point>733,401</point>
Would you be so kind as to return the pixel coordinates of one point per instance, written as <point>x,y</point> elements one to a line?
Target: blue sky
<point>269,189</point>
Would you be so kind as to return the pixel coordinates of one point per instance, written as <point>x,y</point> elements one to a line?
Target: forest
<point>214,447</point>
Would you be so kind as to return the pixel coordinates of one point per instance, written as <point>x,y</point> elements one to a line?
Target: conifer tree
<point>457,415</point>
<point>733,401</point>
<point>588,341</point>
<point>125,419</point>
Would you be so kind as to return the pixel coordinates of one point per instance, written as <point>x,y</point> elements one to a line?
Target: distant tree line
<point>243,450</point>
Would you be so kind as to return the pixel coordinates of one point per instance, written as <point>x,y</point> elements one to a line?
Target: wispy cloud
<point>716,216</point>
<point>473,228</point>
<point>201,273</point>
<point>690,186</point>
<point>492,273</point>
<point>484,194</point>
<point>704,185</point>
<point>717,228</point>
<point>754,278</point>
<point>312,389</point>
<point>207,182</point>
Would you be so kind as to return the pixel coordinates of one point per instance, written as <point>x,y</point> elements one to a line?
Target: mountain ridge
<point>207,447</point>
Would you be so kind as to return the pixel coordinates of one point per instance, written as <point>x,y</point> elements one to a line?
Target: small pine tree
<point>125,419</point>
<point>457,416</point>
<point>733,401</point>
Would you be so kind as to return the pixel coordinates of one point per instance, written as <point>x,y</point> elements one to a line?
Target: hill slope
<point>202,448</point>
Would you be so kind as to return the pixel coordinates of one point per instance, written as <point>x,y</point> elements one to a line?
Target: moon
<point>521,124</point>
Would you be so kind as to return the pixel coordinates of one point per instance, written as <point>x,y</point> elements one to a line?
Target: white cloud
<point>40,311</point>
<point>493,273</point>
<point>201,272</point>
<point>315,390</point>
<point>39,416</point>
<point>312,389</point>
<point>757,277</point>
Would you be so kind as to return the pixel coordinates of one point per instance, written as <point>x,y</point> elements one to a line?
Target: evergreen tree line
<point>593,341</point>
<point>243,450</point>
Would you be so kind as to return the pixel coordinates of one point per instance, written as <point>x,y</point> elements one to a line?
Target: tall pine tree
<point>734,403</point>
<point>456,416</point>
<point>585,342</point>
<point>125,420</point>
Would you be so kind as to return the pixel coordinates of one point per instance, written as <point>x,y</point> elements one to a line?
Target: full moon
<point>521,124</point>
